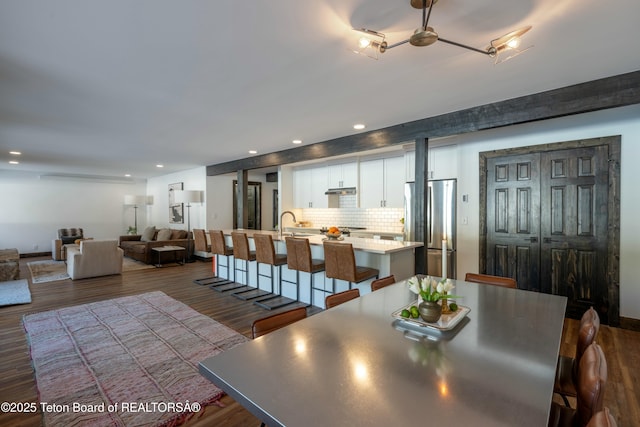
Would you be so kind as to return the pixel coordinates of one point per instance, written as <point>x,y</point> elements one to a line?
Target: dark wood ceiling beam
<point>610,92</point>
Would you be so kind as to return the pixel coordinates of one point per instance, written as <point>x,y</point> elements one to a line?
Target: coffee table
<point>175,249</point>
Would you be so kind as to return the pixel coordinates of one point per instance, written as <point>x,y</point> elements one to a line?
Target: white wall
<point>193,179</point>
<point>34,209</point>
<point>621,121</point>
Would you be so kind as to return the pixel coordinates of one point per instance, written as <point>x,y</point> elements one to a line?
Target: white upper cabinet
<point>382,183</point>
<point>343,175</point>
<point>309,186</point>
<point>410,166</point>
<point>443,162</point>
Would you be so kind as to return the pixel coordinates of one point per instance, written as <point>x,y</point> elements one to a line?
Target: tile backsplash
<point>375,219</point>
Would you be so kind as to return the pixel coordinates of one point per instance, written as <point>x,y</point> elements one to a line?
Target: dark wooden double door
<point>547,216</point>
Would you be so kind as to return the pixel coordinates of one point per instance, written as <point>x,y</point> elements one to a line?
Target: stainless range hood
<point>341,191</point>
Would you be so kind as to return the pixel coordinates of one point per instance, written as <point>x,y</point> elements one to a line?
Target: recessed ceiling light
<point>15,153</point>
<point>358,126</point>
<point>253,152</point>
<point>159,166</point>
<point>128,175</point>
<point>14,162</point>
<point>297,141</point>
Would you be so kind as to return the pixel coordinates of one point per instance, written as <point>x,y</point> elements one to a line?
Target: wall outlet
<point>35,247</point>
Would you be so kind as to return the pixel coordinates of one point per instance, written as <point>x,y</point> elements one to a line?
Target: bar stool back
<point>219,247</point>
<point>242,252</point>
<point>266,254</point>
<point>299,259</point>
<point>341,264</point>
<point>200,240</point>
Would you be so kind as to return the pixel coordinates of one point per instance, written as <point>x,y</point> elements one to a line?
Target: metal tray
<point>446,322</point>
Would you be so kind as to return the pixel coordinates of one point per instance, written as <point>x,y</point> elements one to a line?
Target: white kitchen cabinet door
<point>371,189</point>
<point>443,162</point>
<point>318,186</point>
<point>410,166</point>
<point>309,186</point>
<point>301,186</point>
<point>343,175</point>
<point>394,179</point>
<point>382,183</point>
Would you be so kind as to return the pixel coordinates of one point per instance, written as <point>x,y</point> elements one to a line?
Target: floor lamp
<point>135,201</point>
<point>188,197</point>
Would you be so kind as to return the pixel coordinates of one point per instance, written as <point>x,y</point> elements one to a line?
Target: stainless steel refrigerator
<point>440,223</point>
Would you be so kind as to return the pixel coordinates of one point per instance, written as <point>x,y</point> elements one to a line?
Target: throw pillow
<point>178,234</point>
<point>148,233</point>
<point>164,234</point>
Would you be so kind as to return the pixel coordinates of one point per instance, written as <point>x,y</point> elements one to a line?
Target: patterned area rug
<point>130,361</point>
<point>50,271</point>
<point>14,292</point>
<point>47,271</point>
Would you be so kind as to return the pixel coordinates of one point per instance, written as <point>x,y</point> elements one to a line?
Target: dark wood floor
<point>17,384</point>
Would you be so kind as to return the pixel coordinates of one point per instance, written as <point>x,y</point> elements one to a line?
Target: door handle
<point>550,240</point>
<point>531,239</point>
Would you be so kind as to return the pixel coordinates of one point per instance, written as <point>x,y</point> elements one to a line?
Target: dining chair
<point>299,259</point>
<point>567,367</point>
<point>270,323</point>
<point>340,261</point>
<point>382,282</point>
<point>333,300</point>
<point>592,381</point>
<point>266,254</point>
<point>602,419</point>
<point>219,248</point>
<point>487,279</point>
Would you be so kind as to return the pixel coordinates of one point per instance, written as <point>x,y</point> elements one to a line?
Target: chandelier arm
<point>425,22</point>
<point>397,44</point>
<point>464,46</point>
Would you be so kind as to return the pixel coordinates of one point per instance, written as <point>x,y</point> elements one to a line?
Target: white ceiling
<point>112,87</point>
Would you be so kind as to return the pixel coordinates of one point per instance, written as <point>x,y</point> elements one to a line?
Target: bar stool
<point>219,247</point>
<point>200,241</point>
<point>242,252</point>
<point>266,254</point>
<point>299,259</point>
<point>341,264</point>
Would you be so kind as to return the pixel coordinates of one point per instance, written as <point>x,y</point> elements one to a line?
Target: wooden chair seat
<point>276,321</point>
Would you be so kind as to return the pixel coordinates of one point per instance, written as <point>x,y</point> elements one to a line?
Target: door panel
<point>513,219</point>
<point>574,192</point>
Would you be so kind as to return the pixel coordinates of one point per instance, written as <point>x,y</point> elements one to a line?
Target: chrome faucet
<point>282,215</point>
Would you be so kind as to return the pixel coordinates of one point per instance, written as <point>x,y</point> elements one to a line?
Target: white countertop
<point>376,246</point>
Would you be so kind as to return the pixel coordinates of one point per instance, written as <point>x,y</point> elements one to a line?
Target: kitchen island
<point>388,256</point>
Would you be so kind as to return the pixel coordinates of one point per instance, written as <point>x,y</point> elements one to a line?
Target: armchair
<point>66,236</point>
<point>94,258</point>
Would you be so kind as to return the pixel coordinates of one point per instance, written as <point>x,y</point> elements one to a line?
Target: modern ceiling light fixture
<point>371,43</point>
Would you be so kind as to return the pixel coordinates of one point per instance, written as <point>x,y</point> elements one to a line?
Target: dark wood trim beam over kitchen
<point>610,92</point>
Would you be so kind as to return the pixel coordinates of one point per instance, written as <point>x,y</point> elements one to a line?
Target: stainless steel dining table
<point>357,365</point>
